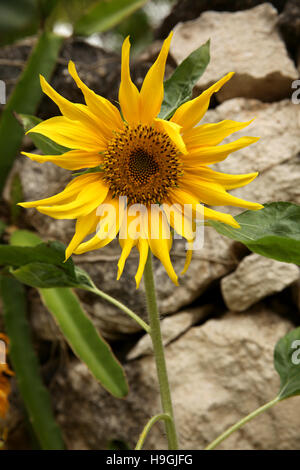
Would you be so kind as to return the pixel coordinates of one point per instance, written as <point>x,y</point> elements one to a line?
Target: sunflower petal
<point>212,134</point>
<point>152,91</point>
<point>73,160</point>
<point>173,131</point>
<point>190,113</point>
<point>129,96</point>
<point>84,226</point>
<point>72,134</point>
<point>127,245</point>
<point>218,153</point>
<point>108,114</point>
<point>224,179</point>
<point>143,247</point>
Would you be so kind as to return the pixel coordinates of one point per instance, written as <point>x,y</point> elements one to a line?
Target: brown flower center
<point>142,164</point>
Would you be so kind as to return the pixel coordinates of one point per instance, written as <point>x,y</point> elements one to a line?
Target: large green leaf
<point>105,15</point>
<point>46,145</point>
<point>34,394</point>
<point>287,364</point>
<point>85,340</point>
<point>179,87</point>
<point>25,98</point>
<point>64,305</point>
<point>273,231</point>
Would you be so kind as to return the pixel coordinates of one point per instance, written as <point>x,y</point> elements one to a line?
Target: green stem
<point>148,426</point>
<point>159,355</point>
<point>121,306</point>
<point>241,423</point>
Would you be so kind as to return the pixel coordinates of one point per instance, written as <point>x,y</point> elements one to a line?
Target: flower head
<point>139,159</point>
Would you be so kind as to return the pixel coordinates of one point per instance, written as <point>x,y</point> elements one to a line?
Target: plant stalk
<point>155,333</point>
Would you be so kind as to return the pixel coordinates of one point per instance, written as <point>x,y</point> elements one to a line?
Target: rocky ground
<point>221,324</point>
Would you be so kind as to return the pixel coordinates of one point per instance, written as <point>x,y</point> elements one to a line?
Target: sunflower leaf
<point>287,364</point>
<point>65,307</point>
<point>46,145</point>
<point>105,15</point>
<point>179,87</point>
<point>273,231</point>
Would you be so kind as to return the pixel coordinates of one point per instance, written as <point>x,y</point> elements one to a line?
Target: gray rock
<point>256,277</point>
<point>219,372</point>
<point>246,42</point>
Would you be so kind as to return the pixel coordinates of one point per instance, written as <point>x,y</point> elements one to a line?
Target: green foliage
<point>287,364</point>
<point>105,15</point>
<point>25,364</point>
<point>42,265</point>
<point>16,196</point>
<point>273,231</point>
<point>25,98</point>
<point>46,145</point>
<point>17,19</point>
<point>179,87</point>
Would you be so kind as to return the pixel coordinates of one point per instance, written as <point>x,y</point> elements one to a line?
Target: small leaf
<point>85,340</point>
<point>287,364</point>
<point>179,87</point>
<point>46,145</point>
<point>105,15</point>
<point>273,231</point>
<point>26,366</point>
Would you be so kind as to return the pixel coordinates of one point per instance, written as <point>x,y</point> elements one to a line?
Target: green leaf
<point>287,364</point>
<point>25,364</point>
<point>77,328</point>
<point>84,339</point>
<point>179,87</point>
<point>25,98</point>
<point>46,145</point>
<point>105,15</point>
<point>273,231</point>
<point>2,228</point>
<point>16,196</point>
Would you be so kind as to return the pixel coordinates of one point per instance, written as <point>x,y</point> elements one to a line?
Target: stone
<point>255,278</point>
<point>172,327</point>
<point>245,42</point>
<point>219,372</point>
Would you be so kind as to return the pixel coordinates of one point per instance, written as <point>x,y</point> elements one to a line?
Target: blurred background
<point>221,324</point>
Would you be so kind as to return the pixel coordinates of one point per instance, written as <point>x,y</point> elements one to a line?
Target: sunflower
<point>5,372</point>
<point>139,159</point>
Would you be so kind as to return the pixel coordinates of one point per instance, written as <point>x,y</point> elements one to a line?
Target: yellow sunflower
<point>142,159</point>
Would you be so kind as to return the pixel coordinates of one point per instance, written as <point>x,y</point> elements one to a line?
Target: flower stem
<point>241,423</point>
<point>148,426</point>
<point>118,304</point>
<point>159,355</point>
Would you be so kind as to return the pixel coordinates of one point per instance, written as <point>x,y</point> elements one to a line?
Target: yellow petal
<point>84,226</point>
<point>108,227</point>
<point>173,131</point>
<point>74,111</point>
<point>226,180</point>
<point>69,193</point>
<point>152,91</point>
<point>127,245</point>
<point>87,200</point>
<point>221,217</point>
<point>108,114</point>
<point>129,96</point>
<point>73,160</point>
<point>218,153</point>
<point>179,220</point>
<point>190,113</point>
<point>213,194</point>
<point>188,258</point>
<point>143,248</point>
<point>212,134</point>
<point>72,134</point>
<point>160,240</point>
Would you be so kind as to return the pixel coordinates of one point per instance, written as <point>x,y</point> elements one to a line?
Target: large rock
<point>256,277</point>
<point>247,43</point>
<point>219,372</point>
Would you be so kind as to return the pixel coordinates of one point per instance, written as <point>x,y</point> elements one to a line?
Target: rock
<point>171,328</point>
<point>255,278</point>
<point>219,372</point>
<point>246,42</point>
